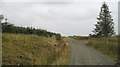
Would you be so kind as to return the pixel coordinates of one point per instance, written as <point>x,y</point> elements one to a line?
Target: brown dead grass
<point>33,50</point>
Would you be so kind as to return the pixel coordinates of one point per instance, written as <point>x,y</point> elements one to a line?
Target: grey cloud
<point>37,0</point>
<point>59,0</point>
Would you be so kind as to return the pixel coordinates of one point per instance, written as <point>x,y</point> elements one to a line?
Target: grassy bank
<point>33,50</point>
<point>107,46</point>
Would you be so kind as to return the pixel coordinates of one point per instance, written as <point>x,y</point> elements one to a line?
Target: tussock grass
<point>64,53</point>
<point>107,46</point>
<point>33,50</point>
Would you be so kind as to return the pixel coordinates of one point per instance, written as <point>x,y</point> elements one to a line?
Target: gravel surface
<point>83,55</point>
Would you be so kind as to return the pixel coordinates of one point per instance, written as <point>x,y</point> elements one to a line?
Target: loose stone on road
<point>83,55</point>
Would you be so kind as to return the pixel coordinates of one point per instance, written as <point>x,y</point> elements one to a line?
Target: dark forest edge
<point>11,28</point>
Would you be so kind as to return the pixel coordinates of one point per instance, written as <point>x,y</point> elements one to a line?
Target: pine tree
<point>1,18</point>
<point>105,24</point>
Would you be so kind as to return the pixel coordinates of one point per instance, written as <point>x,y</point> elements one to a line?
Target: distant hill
<point>11,28</point>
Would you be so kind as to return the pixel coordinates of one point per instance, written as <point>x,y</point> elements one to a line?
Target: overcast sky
<point>67,17</point>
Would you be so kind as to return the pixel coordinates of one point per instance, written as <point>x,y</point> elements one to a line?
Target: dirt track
<point>83,55</point>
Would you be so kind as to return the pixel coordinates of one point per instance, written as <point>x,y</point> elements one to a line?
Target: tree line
<point>11,28</point>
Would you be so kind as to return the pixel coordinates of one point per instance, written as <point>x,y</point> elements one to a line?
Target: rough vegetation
<point>11,28</point>
<point>22,49</point>
<point>107,46</point>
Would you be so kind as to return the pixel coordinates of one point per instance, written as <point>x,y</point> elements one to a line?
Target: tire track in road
<point>83,55</point>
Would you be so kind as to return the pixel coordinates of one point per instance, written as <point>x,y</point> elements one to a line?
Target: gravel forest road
<point>83,55</point>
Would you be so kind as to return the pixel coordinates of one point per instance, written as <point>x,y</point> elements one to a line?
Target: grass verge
<point>107,46</point>
<point>33,50</point>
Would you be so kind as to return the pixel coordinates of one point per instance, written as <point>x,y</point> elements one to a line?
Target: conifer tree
<point>1,18</point>
<point>105,24</point>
